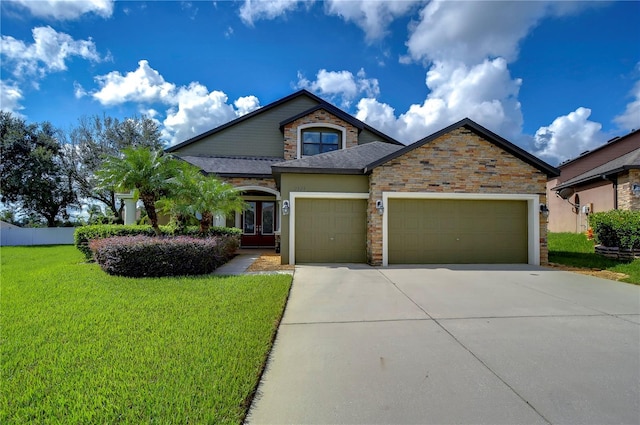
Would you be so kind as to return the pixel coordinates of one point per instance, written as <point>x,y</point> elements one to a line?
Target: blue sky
<point>556,78</point>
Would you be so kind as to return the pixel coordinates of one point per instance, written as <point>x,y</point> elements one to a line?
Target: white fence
<point>40,236</point>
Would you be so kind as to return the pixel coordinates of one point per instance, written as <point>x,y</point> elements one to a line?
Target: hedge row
<point>146,256</point>
<point>84,234</point>
<point>616,228</point>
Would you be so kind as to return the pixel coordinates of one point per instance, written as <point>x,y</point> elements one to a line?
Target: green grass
<point>574,249</point>
<point>78,346</point>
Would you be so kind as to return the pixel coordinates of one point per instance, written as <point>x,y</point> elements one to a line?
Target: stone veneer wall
<point>247,181</point>
<point>626,199</point>
<point>318,117</point>
<point>457,162</point>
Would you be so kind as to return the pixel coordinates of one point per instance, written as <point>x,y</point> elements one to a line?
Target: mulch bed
<point>604,274</point>
<point>269,263</point>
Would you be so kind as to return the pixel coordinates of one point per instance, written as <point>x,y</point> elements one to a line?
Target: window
<point>315,141</point>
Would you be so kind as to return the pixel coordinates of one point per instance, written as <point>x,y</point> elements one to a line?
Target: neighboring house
<point>338,191</point>
<point>603,179</point>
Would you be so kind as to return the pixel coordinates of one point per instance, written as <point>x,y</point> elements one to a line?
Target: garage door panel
<point>330,230</point>
<point>457,231</point>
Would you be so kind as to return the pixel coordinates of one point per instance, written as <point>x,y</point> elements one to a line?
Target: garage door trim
<point>293,196</point>
<point>533,216</point>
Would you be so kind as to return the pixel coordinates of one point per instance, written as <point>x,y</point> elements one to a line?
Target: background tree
<point>95,138</point>
<point>194,194</point>
<point>149,172</point>
<point>33,169</point>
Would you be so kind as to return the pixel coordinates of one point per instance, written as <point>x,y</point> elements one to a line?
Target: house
<point>602,179</point>
<point>335,190</point>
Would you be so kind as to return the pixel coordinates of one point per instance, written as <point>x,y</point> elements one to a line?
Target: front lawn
<point>574,249</point>
<point>78,346</point>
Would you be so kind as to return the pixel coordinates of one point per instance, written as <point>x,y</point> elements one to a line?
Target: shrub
<point>83,235</point>
<point>146,256</point>
<point>616,228</point>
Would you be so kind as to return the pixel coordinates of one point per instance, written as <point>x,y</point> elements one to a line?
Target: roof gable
<point>246,117</point>
<point>343,116</point>
<point>319,104</point>
<point>482,132</point>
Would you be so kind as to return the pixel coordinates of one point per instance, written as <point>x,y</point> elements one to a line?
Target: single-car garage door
<point>448,231</point>
<point>330,230</point>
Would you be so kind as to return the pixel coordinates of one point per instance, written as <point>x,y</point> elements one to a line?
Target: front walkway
<point>243,260</point>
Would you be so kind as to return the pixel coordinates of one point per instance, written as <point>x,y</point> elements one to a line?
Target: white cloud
<point>568,136</point>
<point>471,31</point>
<point>78,90</point>
<point>190,111</point>
<point>253,10</point>
<point>145,85</point>
<point>486,93</point>
<point>340,86</point>
<point>198,110</point>
<point>630,118</point>
<point>66,9</point>
<point>49,52</point>
<point>10,97</point>
<point>246,104</point>
<point>372,16</point>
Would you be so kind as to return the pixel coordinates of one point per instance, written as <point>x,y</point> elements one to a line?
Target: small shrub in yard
<point>145,256</point>
<point>616,228</point>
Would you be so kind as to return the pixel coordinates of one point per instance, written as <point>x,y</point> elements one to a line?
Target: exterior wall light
<point>285,207</point>
<point>380,206</point>
<point>544,210</point>
<point>635,189</point>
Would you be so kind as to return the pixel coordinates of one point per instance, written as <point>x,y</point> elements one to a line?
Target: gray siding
<point>258,136</point>
<point>367,137</point>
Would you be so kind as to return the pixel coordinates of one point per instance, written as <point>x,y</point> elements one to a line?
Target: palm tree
<point>147,171</point>
<point>195,193</point>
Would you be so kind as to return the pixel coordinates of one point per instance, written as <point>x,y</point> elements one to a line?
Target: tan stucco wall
<point>457,162</point>
<point>315,183</point>
<point>563,217</point>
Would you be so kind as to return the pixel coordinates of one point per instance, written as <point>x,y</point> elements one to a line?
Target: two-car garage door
<point>452,231</point>
<point>420,231</point>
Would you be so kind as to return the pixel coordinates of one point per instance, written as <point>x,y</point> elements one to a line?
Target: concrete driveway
<point>453,344</point>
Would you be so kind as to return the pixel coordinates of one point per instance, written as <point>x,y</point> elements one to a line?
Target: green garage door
<point>331,230</point>
<point>457,231</point>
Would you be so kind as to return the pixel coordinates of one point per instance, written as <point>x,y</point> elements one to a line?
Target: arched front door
<point>259,220</point>
<point>259,224</point>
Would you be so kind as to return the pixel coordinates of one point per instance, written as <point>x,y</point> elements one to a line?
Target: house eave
<point>308,170</point>
<point>241,175</point>
<point>600,176</point>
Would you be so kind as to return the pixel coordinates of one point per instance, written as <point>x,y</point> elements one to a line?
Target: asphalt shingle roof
<point>233,166</point>
<point>352,160</point>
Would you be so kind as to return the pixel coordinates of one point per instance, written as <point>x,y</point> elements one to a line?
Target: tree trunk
<point>149,202</point>
<point>205,222</point>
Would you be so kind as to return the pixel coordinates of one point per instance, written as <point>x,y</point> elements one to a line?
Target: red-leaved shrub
<point>144,256</point>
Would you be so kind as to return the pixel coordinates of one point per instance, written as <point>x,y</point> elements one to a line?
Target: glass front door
<point>259,224</point>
